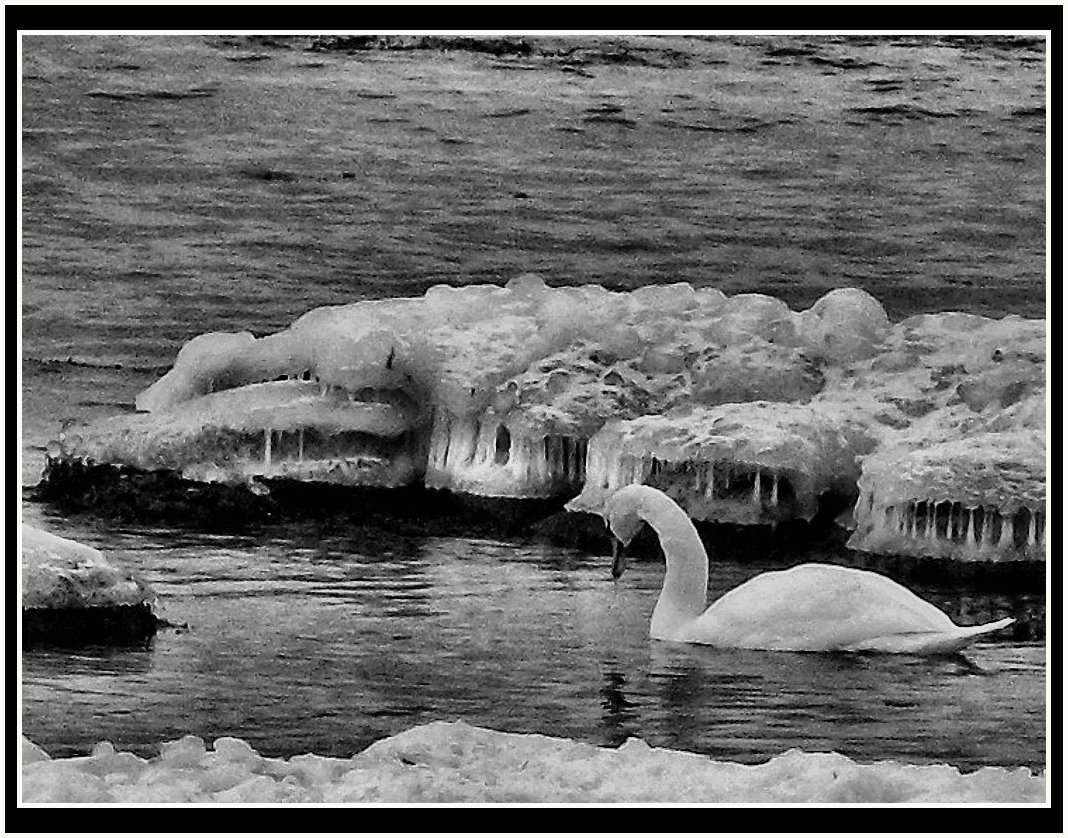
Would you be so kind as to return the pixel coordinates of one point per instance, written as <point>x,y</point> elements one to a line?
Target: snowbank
<point>519,392</point>
<point>454,762</point>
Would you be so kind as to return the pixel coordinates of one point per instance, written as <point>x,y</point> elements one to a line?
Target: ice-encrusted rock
<point>58,573</point>
<point>978,498</point>
<point>498,391</point>
<point>757,463</point>
<point>453,762</point>
<point>290,429</point>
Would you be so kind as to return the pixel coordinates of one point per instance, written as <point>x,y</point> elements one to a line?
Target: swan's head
<point>622,515</point>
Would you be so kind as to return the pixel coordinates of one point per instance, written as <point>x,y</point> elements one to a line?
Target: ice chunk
<point>712,461</point>
<point>287,429</point>
<point>747,316</point>
<point>1004,384</point>
<point>997,481</point>
<point>844,325</point>
<point>60,573</point>
<point>187,752</point>
<point>754,371</point>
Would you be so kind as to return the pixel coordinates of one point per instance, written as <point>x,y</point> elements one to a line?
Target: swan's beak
<point>619,560</point>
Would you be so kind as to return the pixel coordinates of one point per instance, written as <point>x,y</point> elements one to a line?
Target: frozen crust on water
<point>447,762</point>
<point>58,573</point>
<point>756,463</point>
<point>979,498</point>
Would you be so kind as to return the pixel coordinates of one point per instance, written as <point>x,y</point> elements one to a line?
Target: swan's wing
<point>817,607</point>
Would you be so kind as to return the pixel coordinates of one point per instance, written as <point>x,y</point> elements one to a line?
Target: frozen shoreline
<point>453,762</point>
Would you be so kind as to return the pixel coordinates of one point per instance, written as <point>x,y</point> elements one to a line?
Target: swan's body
<point>811,607</point>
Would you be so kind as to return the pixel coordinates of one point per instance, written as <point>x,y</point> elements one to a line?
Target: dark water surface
<point>171,186</point>
<point>325,639</point>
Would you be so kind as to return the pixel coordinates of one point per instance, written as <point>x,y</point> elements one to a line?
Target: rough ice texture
<point>958,402</point>
<point>978,498</point>
<point>500,392</point>
<point>453,762</point>
<point>60,573</point>
<point>293,429</point>
<point>753,463</point>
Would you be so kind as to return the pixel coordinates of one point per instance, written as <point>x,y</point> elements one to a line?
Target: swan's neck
<point>686,581</point>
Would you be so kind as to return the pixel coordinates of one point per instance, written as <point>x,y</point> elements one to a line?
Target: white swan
<point>809,608</point>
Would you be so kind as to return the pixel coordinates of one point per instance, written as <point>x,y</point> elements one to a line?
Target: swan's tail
<point>931,642</point>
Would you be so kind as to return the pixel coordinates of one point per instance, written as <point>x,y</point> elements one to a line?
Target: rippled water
<point>323,640</point>
<point>171,187</point>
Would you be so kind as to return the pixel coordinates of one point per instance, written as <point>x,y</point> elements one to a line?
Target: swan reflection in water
<point>744,704</point>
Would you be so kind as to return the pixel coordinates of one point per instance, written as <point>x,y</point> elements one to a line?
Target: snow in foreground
<point>455,762</point>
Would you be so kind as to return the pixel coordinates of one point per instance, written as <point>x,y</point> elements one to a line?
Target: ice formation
<point>529,391</point>
<point>73,595</point>
<point>754,463</point>
<point>979,498</point>
<point>58,573</point>
<point>453,762</point>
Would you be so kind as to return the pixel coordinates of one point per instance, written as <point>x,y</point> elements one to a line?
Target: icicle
<point>268,434</point>
<point>969,537</point>
<point>756,488</point>
<point>775,490</point>
<point>300,445</point>
<point>1005,540</point>
<point>932,520</point>
<point>323,389</point>
<point>951,523</point>
<point>987,536</point>
<point>710,485</point>
<point>1032,527</point>
<point>447,433</point>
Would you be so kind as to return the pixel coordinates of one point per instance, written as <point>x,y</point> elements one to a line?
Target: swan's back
<point>827,607</point>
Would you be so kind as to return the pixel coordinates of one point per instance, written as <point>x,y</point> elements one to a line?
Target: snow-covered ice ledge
<point>71,592</point>
<point>532,392</point>
<point>450,762</point>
